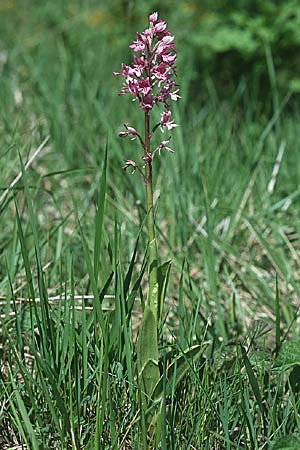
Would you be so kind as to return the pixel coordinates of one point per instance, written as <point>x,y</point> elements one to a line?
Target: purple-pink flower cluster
<point>150,78</point>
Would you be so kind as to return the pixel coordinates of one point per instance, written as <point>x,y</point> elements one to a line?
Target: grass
<point>72,286</point>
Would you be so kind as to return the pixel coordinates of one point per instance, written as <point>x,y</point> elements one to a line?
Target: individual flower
<point>174,96</point>
<point>130,163</point>
<point>147,102</point>
<point>166,93</point>
<point>160,27</point>
<point>153,17</point>
<point>128,131</point>
<point>161,72</point>
<point>164,46</point>
<point>139,45</point>
<point>164,144</point>
<point>144,86</point>
<point>166,122</point>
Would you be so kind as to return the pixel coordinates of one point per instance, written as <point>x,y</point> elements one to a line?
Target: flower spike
<point>150,78</point>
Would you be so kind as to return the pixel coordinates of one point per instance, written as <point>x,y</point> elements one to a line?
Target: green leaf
<point>148,352</point>
<point>289,355</point>
<point>93,281</point>
<point>287,443</point>
<point>128,276</point>
<point>25,416</point>
<point>277,315</point>
<point>163,273</point>
<point>294,379</point>
<point>253,380</point>
<point>100,217</point>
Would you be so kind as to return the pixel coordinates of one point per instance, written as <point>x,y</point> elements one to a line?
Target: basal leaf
<point>148,352</point>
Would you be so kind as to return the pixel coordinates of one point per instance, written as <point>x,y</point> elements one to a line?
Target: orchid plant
<point>150,81</point>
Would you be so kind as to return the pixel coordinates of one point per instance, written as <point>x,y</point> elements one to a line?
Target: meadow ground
<point>227,216</point>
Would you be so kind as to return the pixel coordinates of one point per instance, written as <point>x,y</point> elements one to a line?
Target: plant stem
<point>148,340</point>
<point>152,273</point>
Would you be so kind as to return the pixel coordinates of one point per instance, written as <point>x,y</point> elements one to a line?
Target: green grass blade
<point>253,381</point>
<point>100,216</point>
<point>25,417</point>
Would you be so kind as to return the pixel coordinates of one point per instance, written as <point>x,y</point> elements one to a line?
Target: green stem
<point>153,285</point>
<point>147,343</point>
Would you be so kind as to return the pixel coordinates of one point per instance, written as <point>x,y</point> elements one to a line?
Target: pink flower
<point>166,122</point>
<point>130,163</point>
<point>165,92</point>
<point>164,144</point>
<point>150,77</point>
<point>153,17</point>
<point>161,72</point>
<point>140,44</point>
<point>164,45</point>
<point>167,40</point>
<point>137,46</point>
<point>174,96</point>
<point>130,87</point>
<point>160,26</point>
<point>144,86</point>
<point>140,61</point>
<point>139,65</point>
<point>147,102</point>
<point>126,71</point>
<point>149,34</point>
<point>168,58</point>
<point>128,131</point>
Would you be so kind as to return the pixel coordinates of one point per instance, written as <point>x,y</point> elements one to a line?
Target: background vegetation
<point>227,217</point>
